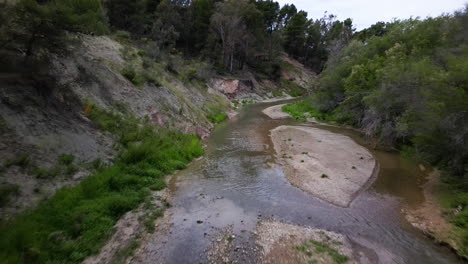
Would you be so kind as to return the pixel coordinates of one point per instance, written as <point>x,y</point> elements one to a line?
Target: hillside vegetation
<point>405,83</point>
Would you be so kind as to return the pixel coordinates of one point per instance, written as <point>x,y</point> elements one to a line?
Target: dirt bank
<point>286,243</point>
<point>330,166</point>
<point>429,217</point>
<point>276,112</point>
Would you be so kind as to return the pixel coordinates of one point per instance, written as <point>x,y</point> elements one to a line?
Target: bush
<point>123,35</point>
<point>131,75</point>
<point>305,109</point>
<point>21,160</point>
<point>6,191</point>
<point>66,159</point>
<point>190,74</point>
<point>216,114</point>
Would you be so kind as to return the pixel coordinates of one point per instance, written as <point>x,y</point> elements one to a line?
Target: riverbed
<point>239,183</point>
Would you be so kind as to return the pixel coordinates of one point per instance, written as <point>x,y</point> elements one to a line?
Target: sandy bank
<point>327,165</point>
<point>286,243</point>
<point>275,112</point>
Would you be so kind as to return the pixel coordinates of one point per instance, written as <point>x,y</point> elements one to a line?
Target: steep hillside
<point>48,138</point>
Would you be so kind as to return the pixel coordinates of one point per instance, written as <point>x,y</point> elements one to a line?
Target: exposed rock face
<point>233,88</point>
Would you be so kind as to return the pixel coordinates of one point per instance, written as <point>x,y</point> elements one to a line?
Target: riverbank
<point>431,218</point>
<point>329,166</point>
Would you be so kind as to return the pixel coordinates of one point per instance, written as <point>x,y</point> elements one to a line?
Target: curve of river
<point>237,183</point>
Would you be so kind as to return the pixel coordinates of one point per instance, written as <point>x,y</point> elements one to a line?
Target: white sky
<point>366,12</point>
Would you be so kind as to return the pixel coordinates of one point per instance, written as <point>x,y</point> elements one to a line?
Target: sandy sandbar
<point>327,165</point>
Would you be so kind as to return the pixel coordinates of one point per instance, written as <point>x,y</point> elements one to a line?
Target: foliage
<point>406,87</point>
<point>21,160</point>
<point>216,114</point>
<point>130,74</point>
<point>322,248</point>
<point>6,191</point>
<point>76,221</point>
<point>292,88</point>
<point>36,25</point>
<point>304,109</point>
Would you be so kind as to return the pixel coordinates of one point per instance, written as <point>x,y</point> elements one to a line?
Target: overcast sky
<point>366,12</point>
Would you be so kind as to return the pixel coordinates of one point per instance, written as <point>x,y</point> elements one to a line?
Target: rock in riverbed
<point>327,165</point>
<point>286,243</point>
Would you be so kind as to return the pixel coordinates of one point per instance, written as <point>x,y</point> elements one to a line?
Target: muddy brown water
<point>236,184</point>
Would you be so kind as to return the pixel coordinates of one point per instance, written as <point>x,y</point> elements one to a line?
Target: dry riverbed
<point>327,165</point>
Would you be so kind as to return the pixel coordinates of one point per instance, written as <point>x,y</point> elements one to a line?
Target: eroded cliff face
<point>43,117</point>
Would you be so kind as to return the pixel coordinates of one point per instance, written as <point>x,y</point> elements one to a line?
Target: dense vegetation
<point>77,221</point>
<point>405,83</point>
<point>232,35</point>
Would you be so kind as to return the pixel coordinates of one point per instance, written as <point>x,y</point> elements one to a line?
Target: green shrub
<point>131,75</point>
<point>66,159</point>
<point>124,35</point>
<point>217,117</point>
<point>20,160</point>
<point>42,173</point>
<point>6,191</point>
<point>304,109</point>
<point>142,53</point>
<point>190,74</point>
<point>151,78</point>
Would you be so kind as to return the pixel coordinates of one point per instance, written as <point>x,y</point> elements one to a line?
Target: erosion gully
<point>237,183</point>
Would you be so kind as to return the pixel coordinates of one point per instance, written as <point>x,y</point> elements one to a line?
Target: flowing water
<point>237,183</point>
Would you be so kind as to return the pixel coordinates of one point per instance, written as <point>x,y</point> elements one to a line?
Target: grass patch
<point>305,109</point>
<point>310,247</point>
<point>76,222</point>
<point>216,114</point>
<point>21,160</point>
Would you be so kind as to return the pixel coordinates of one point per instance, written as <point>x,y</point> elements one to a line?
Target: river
<point>237,183</point>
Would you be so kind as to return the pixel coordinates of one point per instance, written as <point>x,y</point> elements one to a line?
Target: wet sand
<point>327,165</point>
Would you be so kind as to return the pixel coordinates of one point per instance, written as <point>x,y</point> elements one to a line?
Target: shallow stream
<point>237,183</point>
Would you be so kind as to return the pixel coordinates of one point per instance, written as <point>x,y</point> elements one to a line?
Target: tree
<point>295,34</point>
<point>234,24</point>
<point>34,25</point>
<point>166,27</point>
